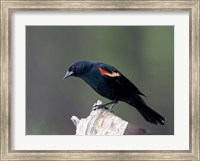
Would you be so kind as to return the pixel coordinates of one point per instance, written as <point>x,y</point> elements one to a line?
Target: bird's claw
<point>102,107</point>
<point>95,107</point>
<point>99,105</point>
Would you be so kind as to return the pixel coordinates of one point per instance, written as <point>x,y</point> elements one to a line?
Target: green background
<point>144,54</point>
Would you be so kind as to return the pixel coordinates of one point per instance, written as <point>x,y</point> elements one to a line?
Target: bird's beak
<point>69,73</point>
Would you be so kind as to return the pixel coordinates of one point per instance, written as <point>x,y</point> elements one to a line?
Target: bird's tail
<point>148,114</point>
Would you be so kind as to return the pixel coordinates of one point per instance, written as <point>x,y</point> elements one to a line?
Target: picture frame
<point>7,7</point>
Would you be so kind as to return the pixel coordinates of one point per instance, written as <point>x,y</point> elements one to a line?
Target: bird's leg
<point>112,105</point>
<point>105,105</point>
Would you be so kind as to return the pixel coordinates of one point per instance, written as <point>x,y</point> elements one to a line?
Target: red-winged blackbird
<point>110,83</point>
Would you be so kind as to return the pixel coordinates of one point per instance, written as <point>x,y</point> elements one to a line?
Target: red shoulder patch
<point>102,71</point>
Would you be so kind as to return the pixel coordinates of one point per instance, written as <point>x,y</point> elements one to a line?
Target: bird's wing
<point>117,80</point>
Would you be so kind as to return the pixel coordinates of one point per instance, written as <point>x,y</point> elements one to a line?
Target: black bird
<point>110,83</point>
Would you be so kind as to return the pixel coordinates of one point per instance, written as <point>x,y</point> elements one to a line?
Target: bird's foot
<point>103,107</point>
<point>95,107</point>
<point>99,105</point>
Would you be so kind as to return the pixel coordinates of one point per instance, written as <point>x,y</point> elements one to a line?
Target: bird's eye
<point>72,68</point>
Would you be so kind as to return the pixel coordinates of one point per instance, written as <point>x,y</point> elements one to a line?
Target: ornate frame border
<point>7,7</point>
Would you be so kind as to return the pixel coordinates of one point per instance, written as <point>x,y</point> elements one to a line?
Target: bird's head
<point>78,68</point>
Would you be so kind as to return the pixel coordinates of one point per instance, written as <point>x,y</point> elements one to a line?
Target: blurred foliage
<point>144,54</point>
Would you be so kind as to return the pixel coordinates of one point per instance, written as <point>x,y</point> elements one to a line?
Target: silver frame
<point>7,7</point>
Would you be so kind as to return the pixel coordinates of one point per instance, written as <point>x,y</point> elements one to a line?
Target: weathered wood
<point>132,129</point>
<point>103,122</point>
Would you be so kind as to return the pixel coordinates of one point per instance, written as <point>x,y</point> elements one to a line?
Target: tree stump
<point>104,122</point>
